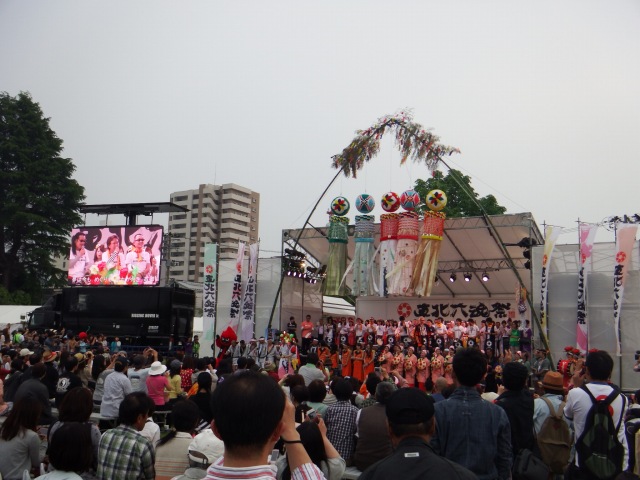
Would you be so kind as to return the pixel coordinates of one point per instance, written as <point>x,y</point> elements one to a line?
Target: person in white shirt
<point>116,387</point>
<point>599,366</point>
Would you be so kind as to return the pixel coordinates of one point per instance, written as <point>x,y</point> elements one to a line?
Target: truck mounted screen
<point>121,255</point>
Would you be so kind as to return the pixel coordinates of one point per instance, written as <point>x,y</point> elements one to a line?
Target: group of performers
<point>487,334</point>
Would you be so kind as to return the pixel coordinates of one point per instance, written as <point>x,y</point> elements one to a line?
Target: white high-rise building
<point>222,214</point>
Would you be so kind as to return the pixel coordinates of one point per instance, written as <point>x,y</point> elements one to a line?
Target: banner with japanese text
<point>625,237</point>
<point>498,309</point>
<point>587,237</point>
<point>551,237</point>
<point>249,298</point>
<point>210,291</point>
<point>236,293</point>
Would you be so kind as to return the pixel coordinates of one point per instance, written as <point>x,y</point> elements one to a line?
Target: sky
<point>151,97</point>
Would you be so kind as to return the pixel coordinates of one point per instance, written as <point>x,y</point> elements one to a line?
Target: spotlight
<point>467,277</point>
<point>452,278</point>
<point>485,277</point>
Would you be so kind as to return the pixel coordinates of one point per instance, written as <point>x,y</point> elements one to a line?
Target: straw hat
<point>157,368</point>
<point>49,356</point>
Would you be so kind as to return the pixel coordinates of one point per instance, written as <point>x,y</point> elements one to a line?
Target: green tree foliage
<point>462,199</point>
<point>40,200</point>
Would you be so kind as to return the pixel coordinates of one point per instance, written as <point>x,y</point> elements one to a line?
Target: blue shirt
<point>473,433</point>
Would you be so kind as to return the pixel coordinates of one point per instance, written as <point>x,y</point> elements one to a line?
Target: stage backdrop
<point>412,307</point>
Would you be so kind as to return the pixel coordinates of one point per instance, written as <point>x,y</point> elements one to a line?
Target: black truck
<point>144,316</point>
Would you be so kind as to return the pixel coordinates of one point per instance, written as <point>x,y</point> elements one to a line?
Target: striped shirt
<point>217,471</point>
<point>125,455</point>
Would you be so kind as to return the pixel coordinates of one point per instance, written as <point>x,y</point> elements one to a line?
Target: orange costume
<point>357,357</point>
<point>368,365</point>
<point>422,369</point>
<point>346,362</point>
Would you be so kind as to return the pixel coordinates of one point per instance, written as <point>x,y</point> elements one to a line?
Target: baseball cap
<point>408,406</point>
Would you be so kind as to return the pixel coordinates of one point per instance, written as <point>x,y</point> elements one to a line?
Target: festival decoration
<point>337,263</point>
<point>390,202</point>
<point>387,248</point>
<point>412,139</point>
<point>436,200</point>
<point>399,279</point>
<point>365,203</point>
<point>363,257</point>
<point>409,200</point>
<point>340,206</point>
<point>426,264</point>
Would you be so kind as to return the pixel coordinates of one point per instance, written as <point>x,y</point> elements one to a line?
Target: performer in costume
<point>369,358</point>
<point>357,359</point>
<point>346,361</point>
<point>437,365</point>
<point>410,367</point>
<point>422,369</point>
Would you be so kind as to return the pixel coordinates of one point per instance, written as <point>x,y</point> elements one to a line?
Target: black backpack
<point>600,453</point>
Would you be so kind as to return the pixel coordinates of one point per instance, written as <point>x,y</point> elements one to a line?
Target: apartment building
<point>222,214</point>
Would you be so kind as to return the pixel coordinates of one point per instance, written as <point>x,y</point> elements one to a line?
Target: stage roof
<point>470,245</point>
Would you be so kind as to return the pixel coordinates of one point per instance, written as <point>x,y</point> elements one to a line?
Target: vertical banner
<point>587,237</point>
<point>626,236</point>
<point>249,298</point>
<point>551,234</point>
<point>236,294</point>
<point>210,291</point>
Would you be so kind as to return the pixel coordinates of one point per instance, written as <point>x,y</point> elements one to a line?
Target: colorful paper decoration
<point>390,202</point>
<point>409,200</point>
<point>426,264</point>
<point>436,200</point>
<point>340,206</point>
<point>399,279</point>
<point>365,203</point>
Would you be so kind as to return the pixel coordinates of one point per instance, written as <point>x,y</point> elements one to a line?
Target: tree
<point>40,200</point>
<point>462,199</point>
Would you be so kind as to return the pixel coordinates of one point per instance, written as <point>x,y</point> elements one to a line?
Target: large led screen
<point>125,255</point>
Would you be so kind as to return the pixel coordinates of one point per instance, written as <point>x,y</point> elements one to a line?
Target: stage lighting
<point>485,277</point>
<point>467,277</point>
<point>452,278</point>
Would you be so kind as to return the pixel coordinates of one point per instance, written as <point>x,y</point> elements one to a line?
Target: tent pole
<point>279,291</point>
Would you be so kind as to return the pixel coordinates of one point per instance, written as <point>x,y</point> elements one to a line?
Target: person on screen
<point>138,258</point>
<point>78,258</point>
<point>113,254</point>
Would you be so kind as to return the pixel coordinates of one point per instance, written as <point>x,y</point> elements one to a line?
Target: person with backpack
<point>597,410</point>
<point>552,433</point>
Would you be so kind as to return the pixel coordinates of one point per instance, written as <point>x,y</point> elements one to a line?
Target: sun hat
<point>157,368</point>
<point>49,356</point>
<point>553,381</point>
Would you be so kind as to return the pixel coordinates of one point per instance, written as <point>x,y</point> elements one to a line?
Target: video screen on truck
<point>120,255</point>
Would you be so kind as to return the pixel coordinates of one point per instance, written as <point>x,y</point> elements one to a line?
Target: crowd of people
<point>412,405</point>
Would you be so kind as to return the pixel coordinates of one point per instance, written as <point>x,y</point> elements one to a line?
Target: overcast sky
<point>151,97</point>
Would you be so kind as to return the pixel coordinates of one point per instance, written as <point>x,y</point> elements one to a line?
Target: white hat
<point>157,368</point>
<point>25,352</point>
<point>208,444</point>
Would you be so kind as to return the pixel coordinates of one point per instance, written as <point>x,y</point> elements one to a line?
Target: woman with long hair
<point>313,434</point>
<point>19,442</point>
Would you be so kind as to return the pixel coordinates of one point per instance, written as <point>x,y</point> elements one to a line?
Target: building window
<point>181,198</point>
